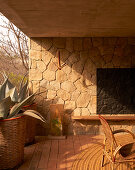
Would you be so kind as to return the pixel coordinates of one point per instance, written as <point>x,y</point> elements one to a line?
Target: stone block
<point>51,94</point>
<point>61,76</point>
<point>33,64</point>
<point>41,66</point>
<point>46,57</point>
<point>46,44</point>
<point>83,100</point>
<point>35,44</point>
<point>49,75</point>
<point>75,95</point>
<point>68,86</point>
<point>73,76</point>
<point>74,57</point>
<point>54,85</point>
<point>64,95</point>
<point>36,55</point>
<point>93,105</point>
<point>69,105</point>
<point>77,112</point>
<point>85,112</point>
<point>35,74</point>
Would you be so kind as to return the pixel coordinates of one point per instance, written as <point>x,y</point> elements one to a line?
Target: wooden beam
<point>107,117</point>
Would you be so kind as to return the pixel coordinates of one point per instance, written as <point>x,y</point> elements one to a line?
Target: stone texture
<point>51,94</point>
<point>67,68</point>
<point>49,75</point>
<point>35,44</point>
<point>54,85</point>
<point>83,100</point>
<point>36,55</point>
<point>61,76</point>
<point>45,84</point>
<point>36,86</point>
<point>92,105</point>
<point>75,84</point>
<point>33,64</point>
<point>75,95</point>
<point>80,86</point>
<point>52,66</point>
<point>68,86</point>
<point>46,57</point>
<point>73,58</point>
<point>77,112</point>
<point>41,66</point>
<point>46,44</point>
<point>64,95</point>
<point>69,105</point>
<point>35,74</point>
<point>73,76</point>
<point>85,112</point>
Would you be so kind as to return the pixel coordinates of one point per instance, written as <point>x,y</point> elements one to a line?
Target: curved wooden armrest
<point>129,147</point>
<point>123,130</point>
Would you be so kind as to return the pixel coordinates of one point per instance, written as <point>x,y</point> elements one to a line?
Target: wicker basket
<point>30,125</point>
<point>30,130</point>
<point>12,136</point>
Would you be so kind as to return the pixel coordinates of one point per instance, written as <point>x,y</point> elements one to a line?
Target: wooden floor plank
<point>36,156</point>
<point>43,163</point>
<point>74,153</point>
<point>29,151</point>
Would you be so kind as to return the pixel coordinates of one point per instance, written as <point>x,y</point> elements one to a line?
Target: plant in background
<point>11,102</point>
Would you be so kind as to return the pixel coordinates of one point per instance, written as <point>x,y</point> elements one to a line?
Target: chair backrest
<point>108,132</point>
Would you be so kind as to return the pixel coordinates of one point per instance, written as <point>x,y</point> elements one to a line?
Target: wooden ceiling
<point>72,18</point>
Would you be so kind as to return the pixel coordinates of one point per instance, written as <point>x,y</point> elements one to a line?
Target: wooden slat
<point>107,117</point>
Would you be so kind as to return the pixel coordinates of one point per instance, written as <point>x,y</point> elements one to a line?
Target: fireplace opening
<point>116,91</point>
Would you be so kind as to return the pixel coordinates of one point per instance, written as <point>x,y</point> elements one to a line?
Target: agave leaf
<point>17,107</point>
<point>9,86</point>
<point>23,91</point>
<point>22,81</point>
<point>2,90</point>
<point>13,94</point>
<point>34,114</point>
<point>5,107</point>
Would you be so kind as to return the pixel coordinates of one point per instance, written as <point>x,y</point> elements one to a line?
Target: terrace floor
<point>73,153</point>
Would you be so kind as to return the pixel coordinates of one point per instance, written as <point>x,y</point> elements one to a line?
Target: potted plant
<point>12,124</point>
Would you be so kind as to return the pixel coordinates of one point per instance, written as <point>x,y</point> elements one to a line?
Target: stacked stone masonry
<point>75,84</point>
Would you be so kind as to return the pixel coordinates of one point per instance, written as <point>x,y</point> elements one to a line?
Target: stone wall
<point>75,84</point>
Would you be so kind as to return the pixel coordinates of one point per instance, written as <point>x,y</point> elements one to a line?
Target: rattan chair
<point>116,153</point>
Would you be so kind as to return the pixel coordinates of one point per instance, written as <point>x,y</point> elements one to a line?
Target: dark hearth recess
<point>116,91</point>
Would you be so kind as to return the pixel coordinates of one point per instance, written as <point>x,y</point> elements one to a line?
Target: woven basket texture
<point>12,137</point>
<point>31,130</point>
<point>30,125</point>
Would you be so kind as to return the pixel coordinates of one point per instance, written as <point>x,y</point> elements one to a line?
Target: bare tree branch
<point>14,42</point>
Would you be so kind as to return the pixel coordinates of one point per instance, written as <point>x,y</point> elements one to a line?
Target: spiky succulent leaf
<point>23,92</point>
<point>5,107</point>
<point>9,86</point>
<point>2,90</point>
<point>34,114</point>
<point>13,94</point>
<point>17,107</point>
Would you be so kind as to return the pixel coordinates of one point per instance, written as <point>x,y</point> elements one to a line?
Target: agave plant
<point>11,102</point>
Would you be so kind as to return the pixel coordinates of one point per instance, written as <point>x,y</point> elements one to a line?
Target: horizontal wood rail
<point>107,117</point>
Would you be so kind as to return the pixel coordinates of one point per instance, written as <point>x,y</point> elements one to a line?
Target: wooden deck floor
<point>65,154</point>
